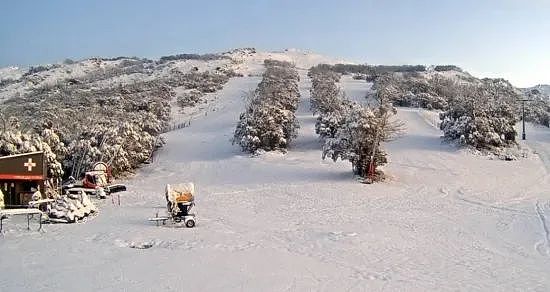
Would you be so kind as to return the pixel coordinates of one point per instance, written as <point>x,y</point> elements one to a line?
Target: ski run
<point>445,219</point>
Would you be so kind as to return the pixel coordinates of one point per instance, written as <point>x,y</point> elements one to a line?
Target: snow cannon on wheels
<point>180,199</point>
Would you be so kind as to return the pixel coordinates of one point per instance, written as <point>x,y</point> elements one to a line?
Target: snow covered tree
<point>416,89</point>
<point>350,131</point>
<point>327,100</point>
<point>537,110</point>
<point>482,115</point>
<point>189,98</point>
<point>15,141</point>
<point>325,94</point>
<point>327,124</point>
<point>265,126</point>
<point>358,139</point>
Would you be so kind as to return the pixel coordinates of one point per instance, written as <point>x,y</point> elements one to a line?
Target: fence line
<point>176,126</point>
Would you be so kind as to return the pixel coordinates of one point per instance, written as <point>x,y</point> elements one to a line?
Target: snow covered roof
<point>22,154</point>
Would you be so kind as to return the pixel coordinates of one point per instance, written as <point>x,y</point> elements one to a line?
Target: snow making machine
<point>180,199</point>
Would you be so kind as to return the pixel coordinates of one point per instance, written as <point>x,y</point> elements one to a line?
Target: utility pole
<point>523,120</point>
<point>523,116</point>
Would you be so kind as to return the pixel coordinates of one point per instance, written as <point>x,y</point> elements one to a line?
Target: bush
<point>369,70</point>
<point>189,98</point>
<point>41,68</point>
<point>537,110</point>
<point>413,90</point>
<point>443,68</point>
<point>205,57</point>
<point>482,116</point>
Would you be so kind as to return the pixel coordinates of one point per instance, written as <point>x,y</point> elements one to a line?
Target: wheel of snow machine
<point>190,223</point>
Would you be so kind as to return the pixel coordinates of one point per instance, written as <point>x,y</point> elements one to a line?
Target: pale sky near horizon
<point>488,38</point>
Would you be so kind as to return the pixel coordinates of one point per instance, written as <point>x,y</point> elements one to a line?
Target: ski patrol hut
<point>21,176</point>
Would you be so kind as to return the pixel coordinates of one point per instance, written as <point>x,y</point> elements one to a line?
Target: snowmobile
<point>95,182</point>
<point>180,200</point>
<point>99,179</point>
<point>72,186</point>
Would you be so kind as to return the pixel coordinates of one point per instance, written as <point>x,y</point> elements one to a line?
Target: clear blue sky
<point>503,38</point>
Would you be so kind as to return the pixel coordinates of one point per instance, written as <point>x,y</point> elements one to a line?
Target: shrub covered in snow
<point>204,82</point>
<point>6,82</point>
<point>327,100</point>
<point>482,115</point>
<point>373,69</point>
<point>325,94</point>
<point>269,121</point>
<point>197,84</point>
<point>204,57</point>
<point>405,85</point>
<point>417,90</point>
<point>189,98</point>
<point>41,68</point>
<point>443,68</point>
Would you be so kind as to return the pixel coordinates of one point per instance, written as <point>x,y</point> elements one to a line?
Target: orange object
<point>184,197</point>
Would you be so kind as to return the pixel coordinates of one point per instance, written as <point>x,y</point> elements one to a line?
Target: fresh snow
<point>445,219</point>
<point>251,64</point>
<point>356,90</point>
<point>538,139</point>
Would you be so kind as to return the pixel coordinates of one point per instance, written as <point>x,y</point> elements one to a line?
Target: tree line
<point>269,121</point>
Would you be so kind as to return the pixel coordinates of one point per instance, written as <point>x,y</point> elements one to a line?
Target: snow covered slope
<point>99,72</point>
<point>446,220</point>
<point>251,63</point>
<point>356,90</point>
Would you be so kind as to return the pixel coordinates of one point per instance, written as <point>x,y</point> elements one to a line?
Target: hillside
<point>445,219</point>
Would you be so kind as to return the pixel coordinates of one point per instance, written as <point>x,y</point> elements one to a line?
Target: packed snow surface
<point>356,90</point>
<point>445,220</point>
